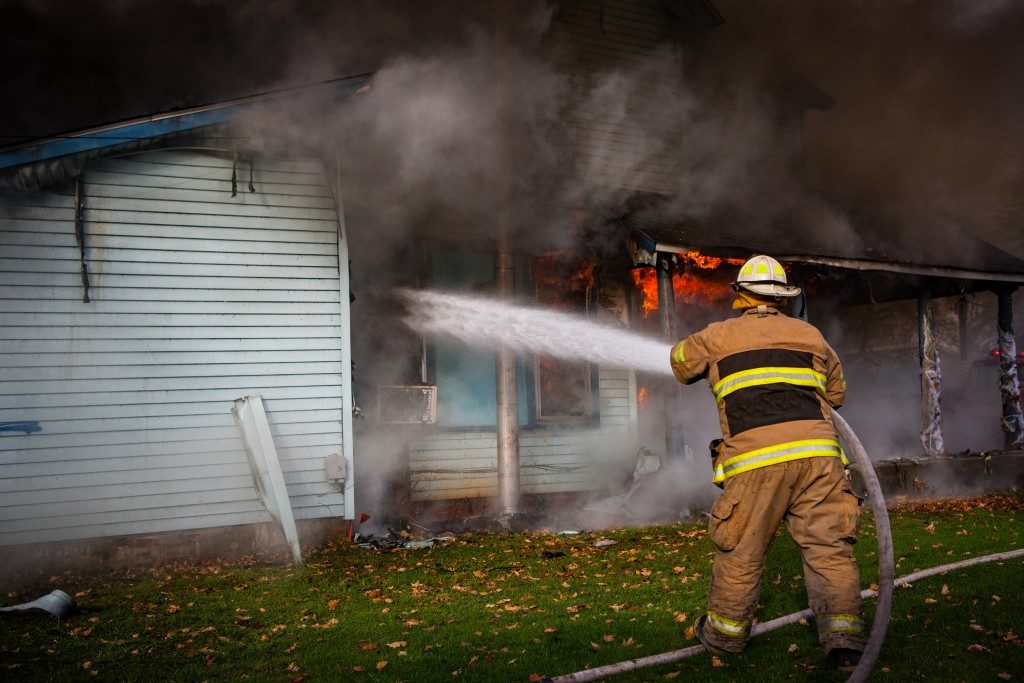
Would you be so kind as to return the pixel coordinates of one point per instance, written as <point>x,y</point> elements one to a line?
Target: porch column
<point>507,417</point>
<point>931,376</point>
<point>674,443</point>
<point>1009,384</point>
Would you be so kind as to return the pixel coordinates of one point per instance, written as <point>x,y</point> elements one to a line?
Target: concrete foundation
<point>264,541</point>
<point>945,476</point>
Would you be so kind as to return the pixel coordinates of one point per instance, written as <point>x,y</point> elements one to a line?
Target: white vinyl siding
<point>198,298</point>
<point>463,464</point>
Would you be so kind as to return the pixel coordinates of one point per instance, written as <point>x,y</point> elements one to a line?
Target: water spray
<point>486,322</point>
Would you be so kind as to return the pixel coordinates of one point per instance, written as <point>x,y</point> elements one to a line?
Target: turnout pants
<point>814,497</point>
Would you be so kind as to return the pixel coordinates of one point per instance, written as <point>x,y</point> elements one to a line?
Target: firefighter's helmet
<point>765,276</point>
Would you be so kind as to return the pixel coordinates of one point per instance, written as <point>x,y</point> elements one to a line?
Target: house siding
<point>198,298</point>
<point>619,55</point>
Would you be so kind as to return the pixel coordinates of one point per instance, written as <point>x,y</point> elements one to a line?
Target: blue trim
<point>27,426</point>
<point>157,126</point>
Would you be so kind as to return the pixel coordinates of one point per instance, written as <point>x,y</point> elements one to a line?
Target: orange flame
<point>689,287</point>
<point>563,279</point>
<point>704,262</point>
<point>641,397</point>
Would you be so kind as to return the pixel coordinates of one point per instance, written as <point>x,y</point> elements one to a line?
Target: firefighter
<point>779,459</point>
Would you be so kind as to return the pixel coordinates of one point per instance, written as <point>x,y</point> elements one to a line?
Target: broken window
<point>563,390</point>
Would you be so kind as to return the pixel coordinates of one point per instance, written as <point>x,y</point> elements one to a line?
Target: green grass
<point>489,608</point>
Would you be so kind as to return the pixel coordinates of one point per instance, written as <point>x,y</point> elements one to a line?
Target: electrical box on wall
<point>334,465</point>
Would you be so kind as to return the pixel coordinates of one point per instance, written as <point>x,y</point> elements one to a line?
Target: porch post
<point>931,375</point>
<point>1009,383</point>
<point>507,417</point>
<point>674,443</point>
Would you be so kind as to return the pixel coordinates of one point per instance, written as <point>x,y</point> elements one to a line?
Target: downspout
<point>507,417</point>
<point>931,376</point>
<point>1009,383</point>
<point>674,443</point>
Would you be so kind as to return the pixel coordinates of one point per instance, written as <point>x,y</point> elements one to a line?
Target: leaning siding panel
<point>198,298</point>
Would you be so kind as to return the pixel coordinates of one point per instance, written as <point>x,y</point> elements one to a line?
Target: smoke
<point>474,119</point>
<point>929,121</point>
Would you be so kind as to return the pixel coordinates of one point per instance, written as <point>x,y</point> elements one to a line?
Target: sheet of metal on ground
<point>265,466</point>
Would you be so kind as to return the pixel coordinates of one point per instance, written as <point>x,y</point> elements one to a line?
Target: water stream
<point>489,323</point>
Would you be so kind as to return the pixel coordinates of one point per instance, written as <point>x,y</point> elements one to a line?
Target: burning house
<point>158,270</point>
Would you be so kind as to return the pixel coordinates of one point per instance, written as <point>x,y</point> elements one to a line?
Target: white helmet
<point>765,276</point>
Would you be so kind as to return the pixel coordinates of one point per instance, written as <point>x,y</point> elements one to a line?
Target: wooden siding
<point>198,298</point>
<point>619,55</point>
<point>463,464</point>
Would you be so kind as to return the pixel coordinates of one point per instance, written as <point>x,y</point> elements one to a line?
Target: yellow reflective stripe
<point>768,375</point>
<point>677,353</point>
<point>727,626</point>
<point>843,623</point>
<point>779,453</point>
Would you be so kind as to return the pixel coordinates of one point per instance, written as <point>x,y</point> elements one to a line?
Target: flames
<point>690,287</point>
<point>704,262</point>
<point>563,279</point>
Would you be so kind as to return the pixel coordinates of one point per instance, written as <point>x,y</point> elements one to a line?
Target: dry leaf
<point>930,601</point>
<point>691,632</point>
<point>1004,675</point>
<point>793,647</point>
<point>292,667</point>
<point>977,648</point>
<point>550,630</point>
<point>681,617</point>
<point>397,644</point>
<point>381,664</point>
<point>367,645</point>
<point>671,674</point>
<point>717,663</point>
<point>473,660</point>
<point>173,609</point>
<point>594,646</point>
<point>332,604</point>
<point>358,669</point>
<point>945,589</point>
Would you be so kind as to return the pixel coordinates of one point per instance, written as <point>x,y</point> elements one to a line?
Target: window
<point>563,390</point>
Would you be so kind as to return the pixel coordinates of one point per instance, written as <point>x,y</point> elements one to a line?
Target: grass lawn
<point>491,608</point>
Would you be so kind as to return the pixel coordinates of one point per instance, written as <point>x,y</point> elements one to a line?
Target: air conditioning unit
<point>407,404</point>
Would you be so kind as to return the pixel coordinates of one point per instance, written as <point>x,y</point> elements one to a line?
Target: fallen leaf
<point>717,663</point>
<point>473,660</point>
<point>173,609</point>
<point>1004,675</point>
<point>681,617</point>
<point>397,644</point>
<point>930,601</point>
<point>671,674</point>
<point>608,638</point>
<point>358,669</point>
<point>381,665</point>
<point>332,604</point>
<point>945,589</point>
<point>367,645</point>
<point>691,632</point>
<point>292,667</point>
<point>594,646</point>
<point>550,630</point>
<point>977,648</point>
<point>793,647</point>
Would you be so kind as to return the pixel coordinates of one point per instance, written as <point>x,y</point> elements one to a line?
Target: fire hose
<point>886,583</point>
